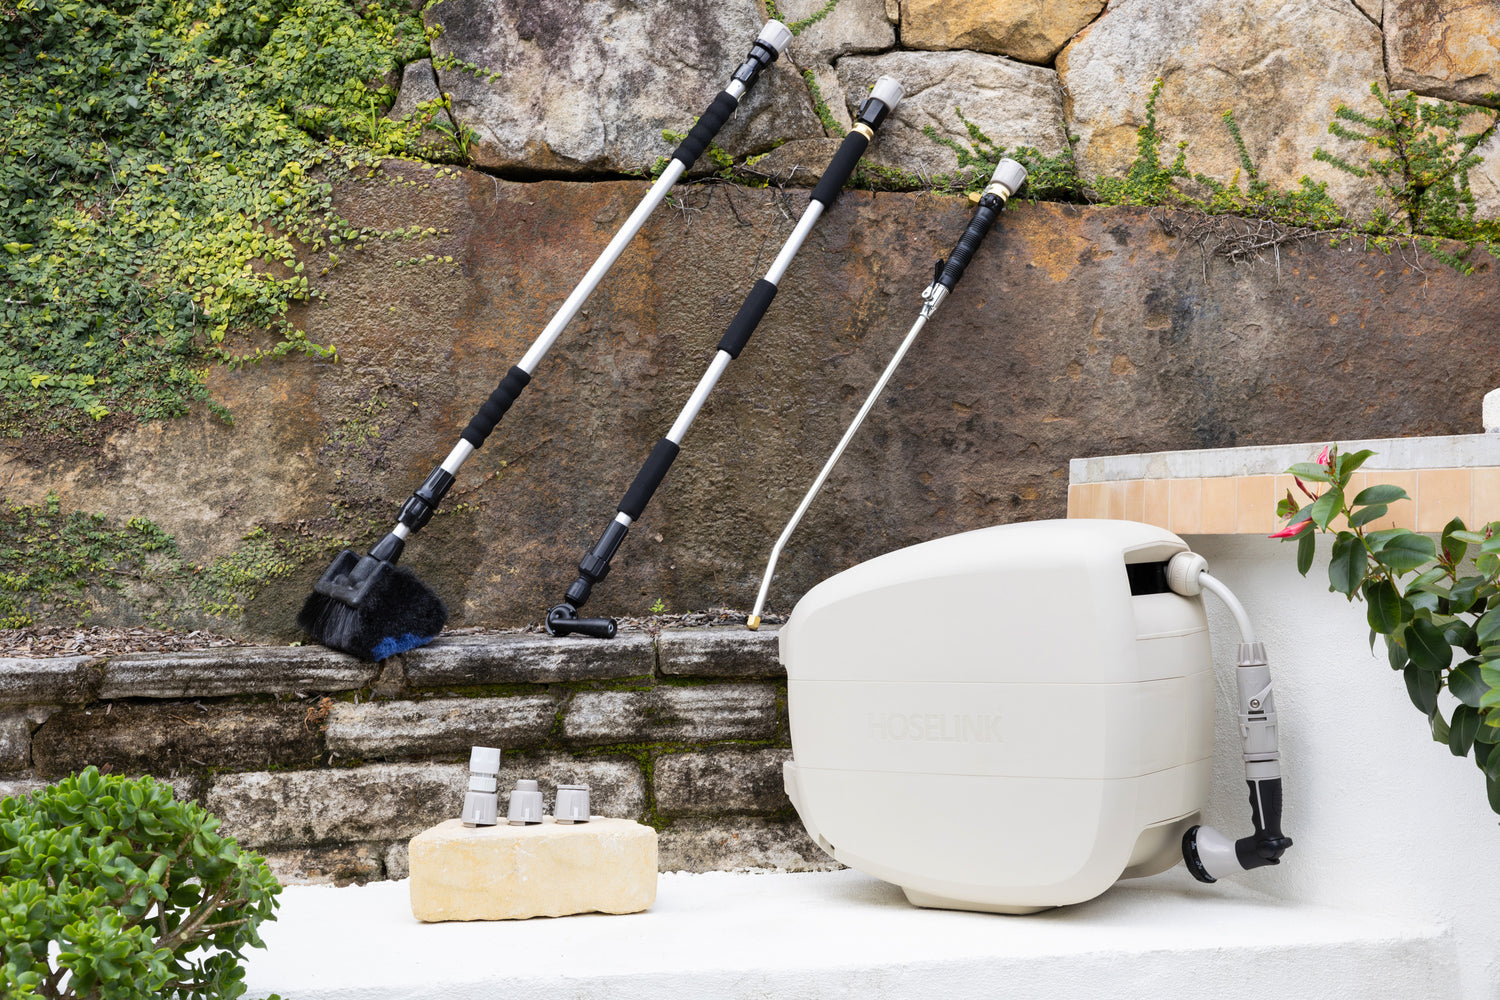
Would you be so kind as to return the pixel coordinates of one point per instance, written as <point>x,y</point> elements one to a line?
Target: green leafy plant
<point>138,891</point>
<point>1436,605</point>
<point>659,608</point>
<point>1421,152</point>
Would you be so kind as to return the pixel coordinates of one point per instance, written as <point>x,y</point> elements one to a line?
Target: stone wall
<point>586,89</point>
<point>328,765</point>
<point>1078,331</point>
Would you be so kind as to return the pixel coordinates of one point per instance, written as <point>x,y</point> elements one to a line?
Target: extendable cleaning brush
<point>1006,181</point>
<point>563,619</point>
<point>372,608</point>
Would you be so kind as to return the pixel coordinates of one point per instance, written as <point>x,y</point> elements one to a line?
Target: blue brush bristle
<point>390,646</point>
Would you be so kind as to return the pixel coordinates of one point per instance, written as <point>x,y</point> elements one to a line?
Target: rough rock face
<point>1445,48</point>
<point>852,26</point>
<point>589,87</point>
<point>1032,31</point>
<point>1077,331</point>
<point>1013,103</point>
<point>1282,67</point>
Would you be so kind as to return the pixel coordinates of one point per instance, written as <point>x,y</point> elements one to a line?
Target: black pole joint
<point>422,504</point>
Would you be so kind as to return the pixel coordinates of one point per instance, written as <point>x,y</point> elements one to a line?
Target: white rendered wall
<point>1385,820</point>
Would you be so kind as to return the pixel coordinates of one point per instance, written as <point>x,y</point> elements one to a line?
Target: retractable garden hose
<point>563,618</point>
<point>370,607</point>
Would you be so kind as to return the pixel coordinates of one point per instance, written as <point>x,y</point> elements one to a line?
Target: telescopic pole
<point>563,618</point>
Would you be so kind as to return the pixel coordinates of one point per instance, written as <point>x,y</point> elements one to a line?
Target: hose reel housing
<point>1005,720</point>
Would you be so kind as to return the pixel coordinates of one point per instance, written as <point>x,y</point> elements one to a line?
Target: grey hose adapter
<point>1209,854</point>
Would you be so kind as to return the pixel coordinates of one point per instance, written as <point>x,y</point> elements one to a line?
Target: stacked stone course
<point>328,765</point>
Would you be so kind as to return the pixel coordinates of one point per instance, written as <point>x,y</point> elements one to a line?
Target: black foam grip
<point>968,245</point>
<point>494,408</point>
<point>708,126</point>
<point>648,479</point>
<point>841,168</point>
<point>748,318</point>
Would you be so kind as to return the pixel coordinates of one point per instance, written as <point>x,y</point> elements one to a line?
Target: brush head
<point>399,612</point>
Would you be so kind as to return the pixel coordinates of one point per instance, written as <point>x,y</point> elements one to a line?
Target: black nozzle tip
<point>563,620</point>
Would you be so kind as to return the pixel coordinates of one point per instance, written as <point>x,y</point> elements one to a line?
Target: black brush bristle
<point>400,613</point>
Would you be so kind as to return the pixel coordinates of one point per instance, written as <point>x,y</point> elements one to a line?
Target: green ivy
<point>162,165</point>
<point>58,565</point>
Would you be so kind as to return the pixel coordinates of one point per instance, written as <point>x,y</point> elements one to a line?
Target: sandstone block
<point>384,802</point>
<point>720,781</point>
<point>702,845</point>
<point>233,670</point>
<point>852,26</point>
<point>549,870</point>
<point>164,738</point>
<point>590,86</point>
<point>798,163</point>
<point>708,712</point>
<point>528,659</point>
<point>724,652</point>
<point>1282,68</point>
<point>1013,103</point>
<point>397,857</point>
<point>439,725</point>
<point>1032,31</point>
<point>11,788</point>
<point>418,86</point>
<point>50,680</point>
<point>15,742</point>
<point>353,864</point>
<point>1444,48</point>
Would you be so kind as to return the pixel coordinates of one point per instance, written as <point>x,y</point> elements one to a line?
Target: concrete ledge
<point>528,659</point>
<point>231,670</point>
<point>50,681</point>
<point>844,934</point>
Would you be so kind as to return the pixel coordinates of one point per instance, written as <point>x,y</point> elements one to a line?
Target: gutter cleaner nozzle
<point>775,35</point>
<point>1009,175</point>
<point>481,801</point>
<point>525,804</point>
<point>884,97</point>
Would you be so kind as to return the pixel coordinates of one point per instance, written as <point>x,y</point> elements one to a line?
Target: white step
<point>844,934</point>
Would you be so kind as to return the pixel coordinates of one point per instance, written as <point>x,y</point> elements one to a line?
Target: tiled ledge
<point>1233,491</point>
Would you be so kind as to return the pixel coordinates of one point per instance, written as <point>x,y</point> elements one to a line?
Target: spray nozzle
<point>884,97</point>
<point>563,620</point>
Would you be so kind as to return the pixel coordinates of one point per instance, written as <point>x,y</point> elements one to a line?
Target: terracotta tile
<point>1135,500</point>
<point>1112,504</point>
<point>1255,505</point>
<point>1155,502</point>
<point>1185,506</point>
<point>1486,507</point>
<point>1077,495</point>
<point>1219,505</point>
<point>1403,512</point>
<point>1444,495</point>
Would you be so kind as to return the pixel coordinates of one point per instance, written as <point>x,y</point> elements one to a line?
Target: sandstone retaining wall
<point>328,765</point>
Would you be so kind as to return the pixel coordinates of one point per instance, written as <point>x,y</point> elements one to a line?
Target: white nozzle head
<point>484,760</point>
<point>887,91</point>
<point>1009,174</point>
<point>775,35</point>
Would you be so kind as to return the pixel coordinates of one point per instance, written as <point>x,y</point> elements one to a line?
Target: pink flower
<point>1323,456</point>
<point>1292,530</point>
